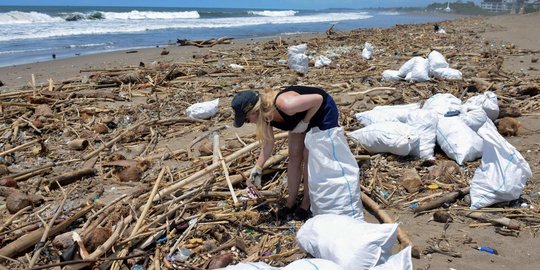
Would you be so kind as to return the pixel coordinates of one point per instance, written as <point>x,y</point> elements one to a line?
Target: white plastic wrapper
<point>203,110</point>
<point>350,243</point>
<point>322,61</point>
<point>236,66</point>
<point>391,75</point>
<point>488,101</point>
<point>447,74</point>
<point>333,174</point>
<point>503,173</point>
<point>388,137</point>
<point>367,52</point>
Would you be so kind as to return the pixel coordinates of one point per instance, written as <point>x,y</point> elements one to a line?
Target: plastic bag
<point>367,51</point>
<point>425,124</point>
<point>391,75</point>
<point>297,58</point>
<point>350,243</point>
<point>333,174</point>
<point>312,264</point>
<point>203,110</point>
<point>473,116</point>
<point>419,72</point>
<point>387,137</point>
<point>400,261</point>
<point>457,140</point>
<point>388,113</point>
<point>488,101</point>
<point>503,173</point>
<point>408,66</point>
<point>436,60</point>
<point>442,103</point>
<point>322,61</point>
<point>447,74</point>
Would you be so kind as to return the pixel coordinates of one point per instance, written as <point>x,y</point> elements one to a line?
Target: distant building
<point>497,5</point>
<point>448,9</point>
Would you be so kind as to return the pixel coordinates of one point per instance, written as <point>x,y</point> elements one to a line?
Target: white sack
<point>399,261</point>
<point>322,61</point>
<point>367,51</point>
<point>250,266</point>
<point>387,137</point>
<point>312,264</point>
<point>457,140</point>
<point>350,243</point>
<point>419,72</point>
<point>409,65</point>
<point>473,116</point>
<point>442,103</point>
<point>503,173</point>
<point>447,74</point>
<point>391,75</point>
<point>488,101</point>
<point>436,60</point>
<point>387,113</point>
<point>425,124</point>
<point>333,173</point>
<point>203,110</point>
<point>297,58</point>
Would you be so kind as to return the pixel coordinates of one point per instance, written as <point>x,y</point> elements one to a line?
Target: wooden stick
<point>448,198</point>
<point>22,146</point>
<point>226,172</point>
<point>70,177</point>
<point>10,219</point>
<point>493,219</point>
<point>32,238</point>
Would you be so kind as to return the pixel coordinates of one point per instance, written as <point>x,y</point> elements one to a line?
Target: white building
<point>497,5</point>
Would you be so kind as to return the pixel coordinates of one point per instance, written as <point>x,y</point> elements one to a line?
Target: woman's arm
<point>294,103</point>
<point>266,148</point>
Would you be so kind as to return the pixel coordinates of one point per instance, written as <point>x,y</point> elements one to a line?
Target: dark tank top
<point>290,121</point>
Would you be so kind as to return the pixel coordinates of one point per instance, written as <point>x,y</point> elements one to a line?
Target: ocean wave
<point>18,17</point>
<point>99,27</point>
<point>88,45</point>
<point>78,16</point>
<point>273,13</point>
<point>153,15</point>
<point>390,13</point>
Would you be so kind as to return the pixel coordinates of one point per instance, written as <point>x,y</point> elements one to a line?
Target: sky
<point>271,4</point>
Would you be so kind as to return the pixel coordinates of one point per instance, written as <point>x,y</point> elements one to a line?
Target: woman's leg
<point>305,201</point>
<point>295,168</point>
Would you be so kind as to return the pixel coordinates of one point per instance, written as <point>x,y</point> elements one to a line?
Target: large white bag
<point>488,101</point>
<point>387,113</point>
<point>442,103</point>
<point>322,61</point>
<point>408,66</point>
<point>447,74</point>
<point>350,243</point>
<point>473,116</point>
<point>312,264</point>
<point>367,51</point>
<point>503,172</point>
<point>419,72</point>
<point>457,140</point>
<point>436,60</point>
<point>297,58</point>
<point>399,261</point>
<point>203,110</point>
<point>388,137</point>
<point>333,174</point>
<point>391,75</point>
<point>425,124</point>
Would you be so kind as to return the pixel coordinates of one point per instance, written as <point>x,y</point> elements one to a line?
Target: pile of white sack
<point>340,242</point>
<point>419,69</point>
<point>464,131</point>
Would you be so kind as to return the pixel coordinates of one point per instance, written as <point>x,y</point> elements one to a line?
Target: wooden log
<point>448,198</point>
<point>70,177</point>
<point>32,238</point>
<point>496,220</point>
<point>403,238</point>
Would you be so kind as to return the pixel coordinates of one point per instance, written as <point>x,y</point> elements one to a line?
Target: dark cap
<point>242,103</point>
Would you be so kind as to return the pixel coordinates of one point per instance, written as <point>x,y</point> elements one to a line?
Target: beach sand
<point>521,31</point>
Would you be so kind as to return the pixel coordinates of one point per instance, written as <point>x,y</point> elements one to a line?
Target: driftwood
<point>204,43</point>
<point>495,220</point>
<point>447,198</point>
<point>70,177</point>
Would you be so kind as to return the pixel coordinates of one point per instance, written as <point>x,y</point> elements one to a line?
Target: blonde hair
<point>266,108</point>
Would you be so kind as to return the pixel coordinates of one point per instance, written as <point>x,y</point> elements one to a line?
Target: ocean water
<point>31,34</point>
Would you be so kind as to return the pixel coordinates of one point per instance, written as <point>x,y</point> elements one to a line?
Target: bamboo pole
<point>226,172</point>
<point>22,146</point>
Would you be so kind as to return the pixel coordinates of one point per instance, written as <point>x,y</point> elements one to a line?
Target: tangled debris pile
<point>108,161</point>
